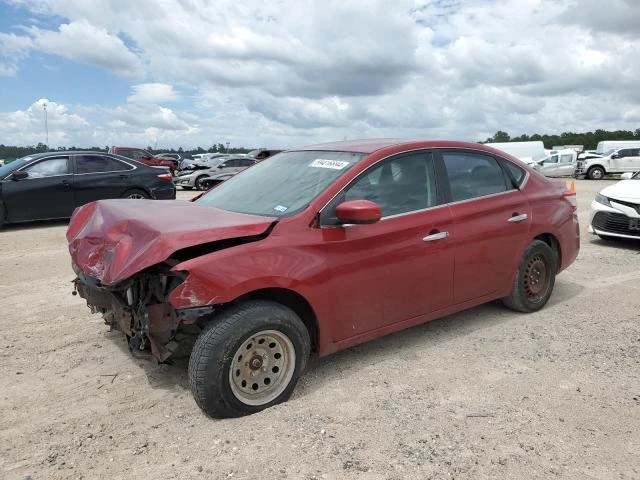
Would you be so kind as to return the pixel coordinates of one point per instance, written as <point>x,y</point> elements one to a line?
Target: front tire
<point>248,359</point>
<point>198,182</point>
<point>533,284</point>
<point>595,173</point>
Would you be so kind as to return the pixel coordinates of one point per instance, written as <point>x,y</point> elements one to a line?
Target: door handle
<point>436,236</point>
<point>518,218</point>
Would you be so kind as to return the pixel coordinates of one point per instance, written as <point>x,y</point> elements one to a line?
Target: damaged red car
<point>319,249</point>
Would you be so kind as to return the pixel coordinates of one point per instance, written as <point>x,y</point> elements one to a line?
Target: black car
<point>51,185</point>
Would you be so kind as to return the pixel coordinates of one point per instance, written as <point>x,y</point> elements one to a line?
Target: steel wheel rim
<point>262,367</point>
<point>536,278</point>
<point>198,183</point>
<point>596,174</point>
<point>136,196</point>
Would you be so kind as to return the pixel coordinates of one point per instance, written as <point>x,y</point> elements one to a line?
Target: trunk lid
<point>110,240</point>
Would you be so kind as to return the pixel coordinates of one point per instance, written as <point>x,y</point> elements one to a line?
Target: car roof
<point>374,144</point>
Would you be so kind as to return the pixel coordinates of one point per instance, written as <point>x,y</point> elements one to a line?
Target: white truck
<point>528,152</point>
<point>561,163</point>
<point>620,160</point>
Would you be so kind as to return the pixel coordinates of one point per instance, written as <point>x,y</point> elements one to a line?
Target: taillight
<point>166,177</point>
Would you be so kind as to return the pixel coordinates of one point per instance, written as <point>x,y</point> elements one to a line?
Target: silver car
<point>221,165</point>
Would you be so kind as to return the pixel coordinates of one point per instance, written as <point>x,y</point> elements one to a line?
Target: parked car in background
<point>176,157</point>
<point>561,163</point>
<point>617,161</point>
<point>615,212</point>
<point>145,157</point>
<point>51,185</point>
<point>201,161</point>
<point>527,152</point>
<point>221,168</point>
<point>320,249</point>
<point>262,153</point>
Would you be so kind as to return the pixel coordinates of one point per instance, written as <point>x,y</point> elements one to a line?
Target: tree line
<point>588,139</point>
<point>9,153</point>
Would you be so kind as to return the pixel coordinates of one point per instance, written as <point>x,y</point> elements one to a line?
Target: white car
<point>615,212</point>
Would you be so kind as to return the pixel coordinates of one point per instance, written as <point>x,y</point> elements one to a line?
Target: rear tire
<point>595,173</point>
<point>533,283</point>
<point>135,194</point>
<point>249,358</point>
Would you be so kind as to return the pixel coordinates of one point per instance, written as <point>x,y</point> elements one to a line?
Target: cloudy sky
<point>283,73</point>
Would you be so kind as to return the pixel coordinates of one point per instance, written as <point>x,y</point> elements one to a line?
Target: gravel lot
<point>487,393</point>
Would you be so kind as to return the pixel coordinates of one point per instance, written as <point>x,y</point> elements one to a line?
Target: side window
<point>139,154</point>
<point>566,158</point>
<point>516,172</point>
<point>98,163</point>
<point>626,152</point>
<point>473,175</point>
<point>552,159</point>
<point>48,168</point>
<point>246,162</point>
<point>399,185</point>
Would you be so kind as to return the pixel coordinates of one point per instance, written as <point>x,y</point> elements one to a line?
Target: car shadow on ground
<point>37,225</point>
<point>321,371</point>
<point>615,242</point>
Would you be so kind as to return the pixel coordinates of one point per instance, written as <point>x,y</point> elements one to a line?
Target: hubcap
<point>136,196</point>
<point>262,367</point>
<point>597,174</point>
<point>536,278</point>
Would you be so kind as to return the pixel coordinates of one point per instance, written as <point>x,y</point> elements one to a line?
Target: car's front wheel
<point>249,358</point>
<point>595,173</point>
<point>135,194</point>
<point>533,284</point>
<point>198,182</point>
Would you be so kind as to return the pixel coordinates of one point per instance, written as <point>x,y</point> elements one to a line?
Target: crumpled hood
<point>111,240</point>
<point>625,190</point>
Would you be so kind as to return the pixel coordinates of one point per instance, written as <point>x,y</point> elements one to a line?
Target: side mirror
<point>626,176</point>
<point>21,175</point>
<point>358,212</point>
<point>221,165</point>
<point>615,155</point>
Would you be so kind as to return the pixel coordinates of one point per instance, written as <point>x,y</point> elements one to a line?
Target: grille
<point>613,223</point>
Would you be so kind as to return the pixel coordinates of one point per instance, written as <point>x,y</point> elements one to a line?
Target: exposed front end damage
<point>139,308</point>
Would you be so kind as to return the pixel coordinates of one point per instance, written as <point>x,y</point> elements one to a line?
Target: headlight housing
<point>603,200</point>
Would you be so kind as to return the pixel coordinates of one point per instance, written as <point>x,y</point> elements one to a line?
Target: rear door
<point>100,176</point>
<point>491,221</point>
<point>46,193</point>
<point>566,165</point>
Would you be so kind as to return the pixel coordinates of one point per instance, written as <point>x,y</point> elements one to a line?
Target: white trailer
<point>607,146</point>
<point>528,152</point>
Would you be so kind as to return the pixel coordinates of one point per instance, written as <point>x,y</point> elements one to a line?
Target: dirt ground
<point>487,393</point>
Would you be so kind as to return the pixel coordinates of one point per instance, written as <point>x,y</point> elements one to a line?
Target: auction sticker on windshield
<point>332,164</point>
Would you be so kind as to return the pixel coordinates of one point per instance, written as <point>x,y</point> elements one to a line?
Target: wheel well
<point>552,241</point>
<point>295,302</point>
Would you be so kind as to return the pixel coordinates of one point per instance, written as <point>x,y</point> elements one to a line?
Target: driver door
<point>400,267</point>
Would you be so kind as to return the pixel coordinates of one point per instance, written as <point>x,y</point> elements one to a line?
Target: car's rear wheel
<point>248,359</point>
<point>198,182</point>
<point>595,173</point>
<point>135,194</point>
<point>533,284</point>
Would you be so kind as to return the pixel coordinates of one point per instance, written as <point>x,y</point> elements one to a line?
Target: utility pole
<point>46,125</point>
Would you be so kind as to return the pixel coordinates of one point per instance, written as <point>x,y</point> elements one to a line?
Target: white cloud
<point>153,93</point>
<point>287,73</point>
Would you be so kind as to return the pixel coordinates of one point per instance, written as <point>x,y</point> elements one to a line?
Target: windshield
<point>10,167</point>
<point>282,184</point>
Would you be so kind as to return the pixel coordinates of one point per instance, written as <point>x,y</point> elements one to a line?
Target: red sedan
<point>316,250</point>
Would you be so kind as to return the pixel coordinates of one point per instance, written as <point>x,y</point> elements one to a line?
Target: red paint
<point>361,281</point>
